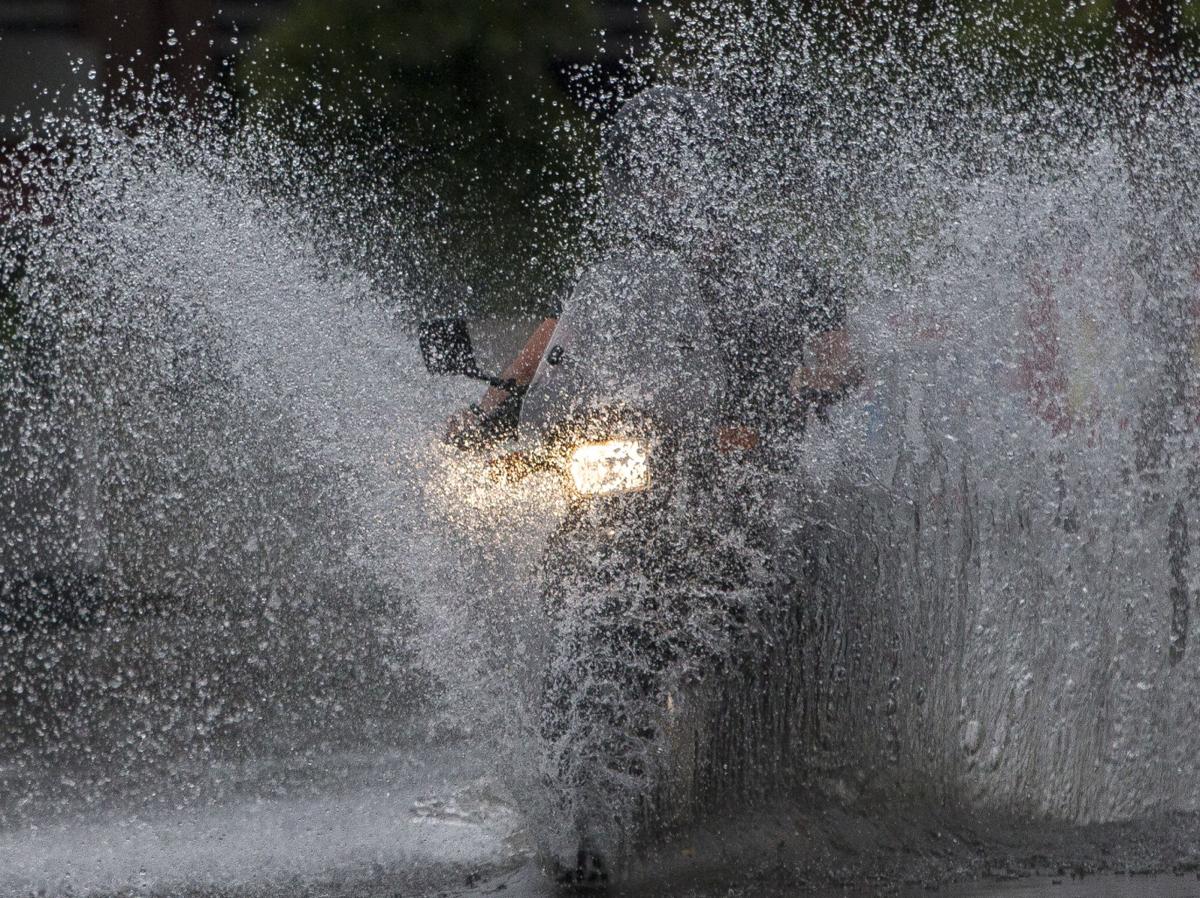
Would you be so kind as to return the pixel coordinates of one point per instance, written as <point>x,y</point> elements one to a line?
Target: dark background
<point>457,105</point>
<point>481,115</point>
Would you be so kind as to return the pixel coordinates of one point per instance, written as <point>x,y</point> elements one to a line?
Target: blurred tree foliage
<point>1075,40</point>
<point>1022,44</point>
<point>463,103</point>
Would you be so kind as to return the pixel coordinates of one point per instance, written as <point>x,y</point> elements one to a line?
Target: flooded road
<point>397,822</point>
<point>527,884</point>
<point>440,823</point>
<point>1090,887</point>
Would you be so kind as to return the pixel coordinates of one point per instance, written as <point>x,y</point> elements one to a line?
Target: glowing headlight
<point>616,466</point>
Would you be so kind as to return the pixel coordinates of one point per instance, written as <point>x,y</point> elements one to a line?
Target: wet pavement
<point>1088,887</point>
<point>395,824</point>
<point>437,823</point>
<point>527,883</point>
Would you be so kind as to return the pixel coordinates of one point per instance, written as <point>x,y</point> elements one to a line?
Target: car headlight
<point>615,466</point>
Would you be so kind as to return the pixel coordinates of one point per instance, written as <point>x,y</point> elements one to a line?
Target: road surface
<point>438,824</point>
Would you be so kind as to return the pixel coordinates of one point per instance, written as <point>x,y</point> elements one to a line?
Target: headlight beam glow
<point>614,466</point>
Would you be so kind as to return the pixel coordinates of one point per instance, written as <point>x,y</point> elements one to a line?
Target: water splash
<point>196,396</point>
<point>996,604</point>
<point>983,559</point>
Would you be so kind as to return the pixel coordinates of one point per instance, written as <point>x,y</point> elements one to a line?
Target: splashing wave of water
<point>988,546</point>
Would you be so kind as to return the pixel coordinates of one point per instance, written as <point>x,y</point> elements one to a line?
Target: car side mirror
<point>446,347</point>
